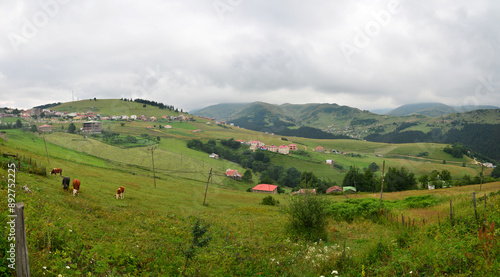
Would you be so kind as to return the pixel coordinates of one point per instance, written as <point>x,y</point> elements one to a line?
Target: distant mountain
<point>380,111</point>
<point>220,111</point>
<point>435,109</point>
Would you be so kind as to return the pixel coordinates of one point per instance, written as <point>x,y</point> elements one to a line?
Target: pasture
<point>144,234</point>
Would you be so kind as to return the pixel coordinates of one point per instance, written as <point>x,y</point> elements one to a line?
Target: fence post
<point>474,202</point>
<point>22,258</point>
<point>451,212</point>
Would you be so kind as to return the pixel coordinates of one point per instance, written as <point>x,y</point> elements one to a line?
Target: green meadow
<point>148,232</point>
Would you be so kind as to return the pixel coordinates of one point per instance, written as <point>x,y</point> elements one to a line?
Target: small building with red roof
<point>292,147</point>
<point>45,128</point>
<point>334,189</point>
<point>233,173</point>
<point>272,148</point>
<point>283,149</point>
<point>266,188</point>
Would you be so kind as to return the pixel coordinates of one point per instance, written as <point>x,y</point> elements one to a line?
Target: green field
<point>144,234</point>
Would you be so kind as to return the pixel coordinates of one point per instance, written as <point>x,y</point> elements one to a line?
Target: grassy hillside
<point>146,233</point>
<point>110,107</point>
<point>94,234</point>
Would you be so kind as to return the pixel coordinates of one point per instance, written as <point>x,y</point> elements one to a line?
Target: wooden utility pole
<point>46,152</point>
<point>206,189</point>
<point>22,258</point>
<point>354,176</point>
<point>382,186</point>
<point>481,184</point>
<point>152,149</point>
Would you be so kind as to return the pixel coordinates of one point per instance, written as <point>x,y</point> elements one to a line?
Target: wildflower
<point>67,266</point>
<point>411,272</point>
<point>71,230</point>
<point>44,267</point>
<point>335,272</point>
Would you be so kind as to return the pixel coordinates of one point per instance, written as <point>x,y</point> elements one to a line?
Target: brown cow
<point>55,171</point>
<point>76,186</point>
<point>120,193</point>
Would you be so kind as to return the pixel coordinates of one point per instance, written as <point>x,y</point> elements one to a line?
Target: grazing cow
<point>120,193</point>
<point>55,171</point>
<point>65,182</point>
<point>76,186</point>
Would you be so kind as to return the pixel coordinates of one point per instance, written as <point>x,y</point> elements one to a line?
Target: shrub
<point>380,252</point>
<point>307,217</point>
<point>269,200</point>
<point>356,208</point>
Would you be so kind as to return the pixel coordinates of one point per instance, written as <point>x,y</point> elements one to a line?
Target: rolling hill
<point>435,109</point>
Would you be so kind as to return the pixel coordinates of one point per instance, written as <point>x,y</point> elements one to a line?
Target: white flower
<point>411,272</point>
<point>335,272</point>
<point>67,266</point>
<point>44,267</point>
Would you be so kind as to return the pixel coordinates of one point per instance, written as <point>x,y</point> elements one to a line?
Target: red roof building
<point>45,128</point>
<point>319,149</point>
<point>292,147</point>
<point>233,173</point>
<point>334,189</point>
<point>283,149</point>
<point>272,148</point>
<point>266,188</point>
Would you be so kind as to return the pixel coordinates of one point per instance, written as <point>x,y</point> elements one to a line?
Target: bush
<point>379,253</point>
<point>367,208</point>
<point>307,217</point>
<point>269,200</point>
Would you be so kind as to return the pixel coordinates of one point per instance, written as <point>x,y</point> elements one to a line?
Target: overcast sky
<point>194,53</point>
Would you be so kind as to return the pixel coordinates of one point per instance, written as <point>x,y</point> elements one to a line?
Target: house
<point>283,149</point>
<point>292,147</point>
<point>233,173</point>
<point>153,119</point>
<point>214,156</point>
<point>92,127</point>
<point>255,144</point>
<point>329,161</point>
<point>45,128</point>
<point>266,188</point>
<point>133,117</point>
<point>304,191</point>
<point>319,149</point>
<point>273,148</point>
<point>168,127</point>
<point>334,189</point>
